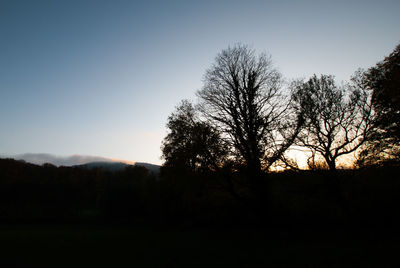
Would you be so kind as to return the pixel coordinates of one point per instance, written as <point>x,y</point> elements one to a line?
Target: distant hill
<point>109,166</point>
<point>118,166</point>
<point>84,161</point>
<point>155,169</point>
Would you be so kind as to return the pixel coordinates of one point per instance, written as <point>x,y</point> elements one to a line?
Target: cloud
<point>40,159</point>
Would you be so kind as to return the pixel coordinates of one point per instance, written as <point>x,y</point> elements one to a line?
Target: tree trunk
<point>334,182</point>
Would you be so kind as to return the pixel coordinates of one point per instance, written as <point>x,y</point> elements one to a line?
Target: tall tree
<point>384,82</point>
<point>337,120</point>
<point>242,98</point>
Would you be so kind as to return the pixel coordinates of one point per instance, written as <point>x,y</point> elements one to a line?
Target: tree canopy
<point>190,143</point>
<point>384,82</point>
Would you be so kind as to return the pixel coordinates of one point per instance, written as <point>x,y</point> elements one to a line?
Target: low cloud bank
<point>40,159</point>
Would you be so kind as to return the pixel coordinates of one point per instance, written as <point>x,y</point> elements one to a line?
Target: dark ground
<point>75,217</point>
<point>119,246</point>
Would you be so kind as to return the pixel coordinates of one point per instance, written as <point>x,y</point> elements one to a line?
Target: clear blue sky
<point>101,77</point>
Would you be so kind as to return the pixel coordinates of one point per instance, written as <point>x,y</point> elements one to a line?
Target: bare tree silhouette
<point>337,120</point>
<point>242,98</point>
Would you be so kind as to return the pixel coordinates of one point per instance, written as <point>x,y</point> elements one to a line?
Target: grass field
<point>101,246</point>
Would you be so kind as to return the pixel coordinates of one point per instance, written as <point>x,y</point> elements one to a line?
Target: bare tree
<point>242,98</point>
<point>337,119</point>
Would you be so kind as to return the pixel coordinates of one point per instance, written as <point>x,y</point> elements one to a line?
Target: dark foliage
<point>384,82</point>
<point>190,143</point>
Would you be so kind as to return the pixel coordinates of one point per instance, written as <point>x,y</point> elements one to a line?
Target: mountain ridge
<point>81,161</point>
<point>119,166</point>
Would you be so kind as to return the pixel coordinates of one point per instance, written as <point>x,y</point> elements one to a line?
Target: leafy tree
<point>242,99</point>
<point>384,81</point>
<point>191,144</point>
<point>337,120</point>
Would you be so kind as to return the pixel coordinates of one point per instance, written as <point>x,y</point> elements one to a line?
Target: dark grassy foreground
<point>115,246</point>
<point>75,217</point>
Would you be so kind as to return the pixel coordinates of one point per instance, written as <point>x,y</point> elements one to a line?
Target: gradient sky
<point>101,77</point>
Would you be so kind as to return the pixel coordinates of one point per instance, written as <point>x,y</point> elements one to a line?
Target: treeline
<point>248,117</point>
<point>49,194</point>
<point>248,120</point>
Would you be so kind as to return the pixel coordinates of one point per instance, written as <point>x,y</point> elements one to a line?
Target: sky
<point>99,78</point>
